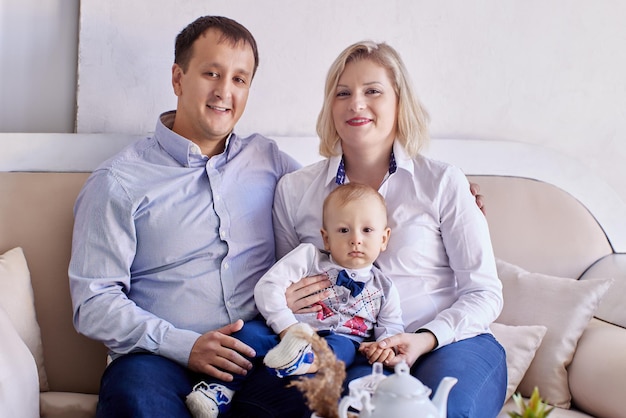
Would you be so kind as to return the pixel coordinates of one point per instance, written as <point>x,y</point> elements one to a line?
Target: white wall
<point>546,72</point>
<point>38,49</point>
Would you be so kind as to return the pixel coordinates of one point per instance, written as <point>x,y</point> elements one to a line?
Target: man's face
<point>213,92</point>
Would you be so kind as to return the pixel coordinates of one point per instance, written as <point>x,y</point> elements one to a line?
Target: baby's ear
<point>386,236</point>
<point>325,239</point>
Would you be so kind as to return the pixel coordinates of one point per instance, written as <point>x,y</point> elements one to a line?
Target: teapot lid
<point>401,383</point>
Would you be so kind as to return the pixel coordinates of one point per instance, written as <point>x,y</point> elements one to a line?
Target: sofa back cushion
<point>36,214</point>
<point>540,227</point>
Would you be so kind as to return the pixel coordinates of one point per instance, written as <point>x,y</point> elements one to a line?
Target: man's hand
<point>302,296</point>
<point>376,354</point>
<point>480,199</point>
<point>217,354</point>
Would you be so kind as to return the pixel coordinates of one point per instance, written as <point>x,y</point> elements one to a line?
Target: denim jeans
<point>259,336</point>
<point>479,364</point>
<point>146,385</point>
<point>151,386</point>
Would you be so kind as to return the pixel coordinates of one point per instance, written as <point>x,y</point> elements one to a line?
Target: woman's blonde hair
<point>412,129</point>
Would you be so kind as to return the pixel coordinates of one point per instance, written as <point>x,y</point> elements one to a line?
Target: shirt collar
<point>363,272</point>
<point>402,160</point>
<point>186,152</point>
<point>339,176</point>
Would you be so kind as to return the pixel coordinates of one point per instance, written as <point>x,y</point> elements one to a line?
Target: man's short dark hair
<point>232,31</point>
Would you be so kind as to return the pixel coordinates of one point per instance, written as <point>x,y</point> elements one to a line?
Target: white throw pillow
<point>16,298</point>
<point>19,385</point>
<point>521,344</point>
<point>565,307</point>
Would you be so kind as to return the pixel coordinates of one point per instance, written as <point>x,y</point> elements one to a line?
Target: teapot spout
<point>440,400</point>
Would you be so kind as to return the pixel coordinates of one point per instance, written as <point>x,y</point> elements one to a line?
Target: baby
<point>362,302</point>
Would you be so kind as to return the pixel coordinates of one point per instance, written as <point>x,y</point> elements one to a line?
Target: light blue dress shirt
<point>168,244</point>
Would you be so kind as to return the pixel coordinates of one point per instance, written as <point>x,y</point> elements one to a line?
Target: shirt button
<point>217,198</point>
<point>223,234</point>
<point>226,266</point>
<point>229,304</point>
<point>353,275</point>
<point>344,300</point>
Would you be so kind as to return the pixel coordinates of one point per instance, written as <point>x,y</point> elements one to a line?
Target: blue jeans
<point>261,338</point>
<point>147,385</point>
<point>151,386</point>
<point>479,364</point>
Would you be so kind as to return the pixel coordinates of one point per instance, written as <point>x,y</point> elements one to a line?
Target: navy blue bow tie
<point>344,280</point>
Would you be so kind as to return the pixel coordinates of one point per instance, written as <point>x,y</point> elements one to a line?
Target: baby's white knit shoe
<point>293,355</point>
<point>208,400</point>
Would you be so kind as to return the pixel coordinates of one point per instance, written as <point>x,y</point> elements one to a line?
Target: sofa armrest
<point>597,374</point>
<point>611,307</point>
<point>19,380</point>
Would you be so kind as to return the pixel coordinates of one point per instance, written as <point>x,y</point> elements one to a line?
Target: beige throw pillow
<point>521,344</point>
<point>564,306</point>
<point>16,298</point>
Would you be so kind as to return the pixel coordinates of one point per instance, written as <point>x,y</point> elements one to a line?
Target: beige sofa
<point>535,226</point>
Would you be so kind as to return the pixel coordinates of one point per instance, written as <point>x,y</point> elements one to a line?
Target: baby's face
<point>356,232</point>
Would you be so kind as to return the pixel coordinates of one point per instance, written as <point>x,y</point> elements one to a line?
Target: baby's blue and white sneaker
<point>209,400</point>
<point>293,355</point>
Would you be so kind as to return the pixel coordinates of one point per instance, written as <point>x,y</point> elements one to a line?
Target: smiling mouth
<point>218,108</point>
<point>358,121</point>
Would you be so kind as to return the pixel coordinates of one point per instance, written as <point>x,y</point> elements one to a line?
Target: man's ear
<point>177,75</point>
<point>386,235</point>
<point>325,239</point>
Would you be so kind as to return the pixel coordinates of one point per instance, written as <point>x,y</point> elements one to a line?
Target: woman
<point>372,128</point>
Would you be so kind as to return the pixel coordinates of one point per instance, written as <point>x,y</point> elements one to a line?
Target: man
<point>172,234</point>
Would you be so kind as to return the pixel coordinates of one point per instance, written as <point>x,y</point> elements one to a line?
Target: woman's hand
<point>302,296</point>
<point>408,346</point>
<point>376,354</point>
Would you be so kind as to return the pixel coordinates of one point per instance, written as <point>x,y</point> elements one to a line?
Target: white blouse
<point>439,255</point>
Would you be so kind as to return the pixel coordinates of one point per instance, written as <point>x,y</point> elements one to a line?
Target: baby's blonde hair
<point>353,191</point>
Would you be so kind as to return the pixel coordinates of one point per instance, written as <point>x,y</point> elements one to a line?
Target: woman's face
<point>365,106</point>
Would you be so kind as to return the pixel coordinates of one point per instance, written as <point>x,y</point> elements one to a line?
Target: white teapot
<point>399,396</point>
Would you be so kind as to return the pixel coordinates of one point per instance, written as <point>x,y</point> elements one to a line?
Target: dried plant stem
<point>323,390</point>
